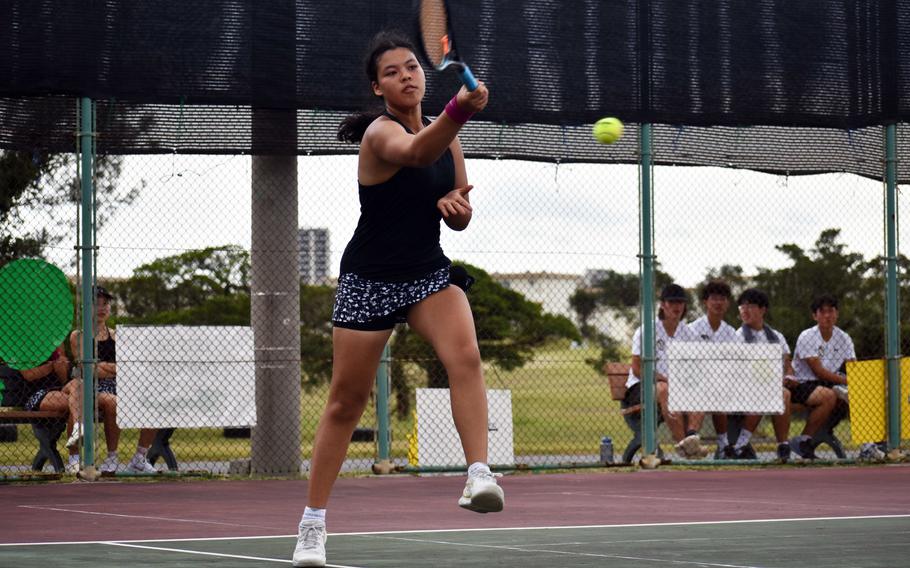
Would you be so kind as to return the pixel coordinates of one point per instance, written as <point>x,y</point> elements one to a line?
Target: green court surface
<point>831,542</point>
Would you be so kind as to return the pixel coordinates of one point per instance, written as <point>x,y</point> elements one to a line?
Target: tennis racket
<point>437,40</point>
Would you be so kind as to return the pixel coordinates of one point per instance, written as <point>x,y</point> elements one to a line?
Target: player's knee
<point>463,357</point>
<point>347,407</point>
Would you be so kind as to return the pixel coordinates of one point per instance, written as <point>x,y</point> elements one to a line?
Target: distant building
<point>313,255</point>
<point>550,290</point>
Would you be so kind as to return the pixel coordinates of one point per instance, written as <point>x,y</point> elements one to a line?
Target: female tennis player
<point>411,174</point>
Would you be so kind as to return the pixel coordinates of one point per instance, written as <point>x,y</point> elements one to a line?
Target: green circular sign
<point>36,311</point>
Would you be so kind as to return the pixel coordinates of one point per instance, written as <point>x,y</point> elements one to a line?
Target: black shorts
<point>800,393</point>
<point>633,396</point>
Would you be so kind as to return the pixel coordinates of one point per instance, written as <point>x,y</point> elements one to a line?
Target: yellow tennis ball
<point>608,130</point>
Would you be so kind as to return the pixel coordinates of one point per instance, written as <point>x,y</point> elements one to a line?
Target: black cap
<point>673,293</point>
<point>100,291</point>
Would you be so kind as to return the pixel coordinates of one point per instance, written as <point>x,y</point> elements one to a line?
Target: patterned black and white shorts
<point>34,402</point>
<point>371,305</point>
<point>108,385</point>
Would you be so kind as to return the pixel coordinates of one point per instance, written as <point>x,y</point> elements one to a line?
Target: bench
<point>617,375</point>
<point>47,427</point>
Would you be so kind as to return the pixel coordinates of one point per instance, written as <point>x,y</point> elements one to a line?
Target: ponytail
<point>355,125</point>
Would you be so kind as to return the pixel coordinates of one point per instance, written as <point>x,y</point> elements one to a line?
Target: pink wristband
<point>455,112</point>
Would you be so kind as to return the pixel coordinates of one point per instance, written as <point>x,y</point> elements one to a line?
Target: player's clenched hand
<point>455,202</point>
<point>473,101</point>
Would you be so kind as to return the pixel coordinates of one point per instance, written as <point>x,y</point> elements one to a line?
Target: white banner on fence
<point>725,377</point>
<point>438,443</point>
<point>187,377</point>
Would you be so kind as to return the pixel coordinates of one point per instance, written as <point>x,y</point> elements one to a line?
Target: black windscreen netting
<point>777,86</point>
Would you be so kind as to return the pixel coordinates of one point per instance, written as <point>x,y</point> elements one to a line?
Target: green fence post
<point>649,415</point>
<point>383,463</point>
<point>892,307</point>
<point>87,149</point>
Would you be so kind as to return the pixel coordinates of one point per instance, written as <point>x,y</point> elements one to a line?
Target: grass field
<point>560,405</point>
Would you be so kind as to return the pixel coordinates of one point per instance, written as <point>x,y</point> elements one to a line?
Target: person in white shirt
<point>753,307</point>
<point>668,327</point>
<point>820,357</point>
<point>711,327</point>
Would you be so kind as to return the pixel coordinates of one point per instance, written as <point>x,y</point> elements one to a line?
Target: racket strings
<point>434,31</point>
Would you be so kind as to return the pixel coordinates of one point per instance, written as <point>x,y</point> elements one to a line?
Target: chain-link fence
<point>554,249</point>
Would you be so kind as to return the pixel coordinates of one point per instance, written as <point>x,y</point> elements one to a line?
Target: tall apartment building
<point>314,256</point>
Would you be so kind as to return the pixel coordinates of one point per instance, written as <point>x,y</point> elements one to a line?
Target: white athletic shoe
<point>72,466</point>
<point>110,465</point>
<point>482,494</point>
<point>690,447</point>
<point>310,549</point>
<point>140,465</point>
<point>75,436</point>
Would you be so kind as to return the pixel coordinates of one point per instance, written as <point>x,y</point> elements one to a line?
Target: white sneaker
<point>140,465</point>
<point>482,494</point>
<point>72,466</point>
<point>110,465</point>
<point>76,435</point>
<point>310,549</point>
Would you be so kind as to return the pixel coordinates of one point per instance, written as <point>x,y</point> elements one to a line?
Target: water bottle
<point>606,450</point>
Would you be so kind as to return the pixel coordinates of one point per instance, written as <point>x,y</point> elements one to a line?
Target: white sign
<point>438,443</point>
<point>186,377</point>
<point>725,377</point>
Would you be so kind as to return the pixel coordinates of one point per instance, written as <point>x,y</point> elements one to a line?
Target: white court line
<point>497,529</point>
<point>706,499</point>
<point>144,517</point>
<point>564,552</point>
<point>219,554</point>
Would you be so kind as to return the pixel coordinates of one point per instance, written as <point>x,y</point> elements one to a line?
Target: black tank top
<point>107,349</point>
<point>397,236</point>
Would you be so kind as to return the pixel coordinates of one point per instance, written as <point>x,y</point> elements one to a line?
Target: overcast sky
<point>528,216</point>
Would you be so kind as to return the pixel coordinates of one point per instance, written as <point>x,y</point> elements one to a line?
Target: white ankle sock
<point>112,454</point>
<point>74,458</point>
<point>478,468</point>
<point>310,514</point>
<point>744,437</point>
<point>722,440</point>
<point>141,451</point>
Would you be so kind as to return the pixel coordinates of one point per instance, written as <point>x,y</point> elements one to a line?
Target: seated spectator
<point>821,356</point>
<point>711,327</point>
<point>668,327</point>
<point>106,374</point>
<point>45,387</point>
<point>753,308</point>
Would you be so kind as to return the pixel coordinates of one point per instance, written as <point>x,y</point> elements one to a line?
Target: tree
<point>620,294</point>
<point>212,287</point>
<point>186,280</point>
<point>829,268</point>
<point>41,183</point>
<point>509,329</point>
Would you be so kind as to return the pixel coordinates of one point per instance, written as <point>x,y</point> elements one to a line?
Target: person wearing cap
<point>711,327</point>
<point>753,308</point>
<point>106,375</point>
<point>669,327</point>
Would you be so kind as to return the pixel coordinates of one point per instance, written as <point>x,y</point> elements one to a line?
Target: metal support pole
<point>892,307</point>
<point>649,406</point>
<point>383,429</point>
<point>87,148</point>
